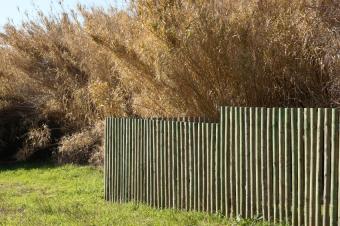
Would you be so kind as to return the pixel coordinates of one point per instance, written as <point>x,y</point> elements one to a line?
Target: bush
<point>83,147</point>
<point>169,58</point>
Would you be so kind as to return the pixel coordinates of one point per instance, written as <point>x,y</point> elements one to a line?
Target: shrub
<point>169,58</point>
<point>83,147</point>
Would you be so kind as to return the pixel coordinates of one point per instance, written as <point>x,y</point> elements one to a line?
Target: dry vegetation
<point>65,73</point>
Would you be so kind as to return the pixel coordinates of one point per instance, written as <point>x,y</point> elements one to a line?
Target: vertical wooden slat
<point>118,160</point>
<point>158,168</point>
<point>203,167</point>
<point>226,165</point>
<point>173,166</point>
<point>126,161</point>
<point>222,155</point>
<point>300,165</point>
<point>129,161</point>
<point>178,166</point>
<point>109,160</point>
<point>275,162</point>
<point>151,136</point>
<point>293,120</point>
<point>257,161</point>
<point>165,163</point>
<point>123,160</point>
<point>195,173</point>
<point>318,168</point>
<point>207,168</point>
<point>306,143</point>
<point>132,141</point>
<point>144,162</point>
<point>186,164</point>
<point>138,159</point>
<point>114,141</point>
<point>211,168</point>
<point>312,177</point>
<point>115,161</point>
<point>334,167</point>
<point>106,159</point>
<point>326,166</point>
<point>247,163</point>
<point>263,157</point>
<point>154,141</point>
<point>217,172</point>
<point>170,166</point>
<point>169,196</point>
<point>269,166</point>
<point>147,160</point>
<point>182,138</point>
<point>232,164</point>
<point>287,166</point>
<point>241,161</point>
<point>338,149</point>
<point>190,168</point>
<point>237,180</point>
<point>252,162</point>
<point>199,166</point>
<point>111,150</point>
<point>281,161</point>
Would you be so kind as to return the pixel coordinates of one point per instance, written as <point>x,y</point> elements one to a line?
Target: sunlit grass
<point>73,195</point>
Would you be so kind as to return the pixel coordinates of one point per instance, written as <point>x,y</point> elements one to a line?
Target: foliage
<point>170,58</point>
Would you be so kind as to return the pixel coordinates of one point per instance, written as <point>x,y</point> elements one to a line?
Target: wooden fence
<point>281,164</point>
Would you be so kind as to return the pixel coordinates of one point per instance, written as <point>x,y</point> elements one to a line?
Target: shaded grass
<point>35,194</point>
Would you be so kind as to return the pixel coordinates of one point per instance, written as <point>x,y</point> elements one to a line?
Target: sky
<point>15,9</point>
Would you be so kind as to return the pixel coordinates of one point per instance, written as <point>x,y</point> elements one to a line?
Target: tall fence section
<point>281,164</point>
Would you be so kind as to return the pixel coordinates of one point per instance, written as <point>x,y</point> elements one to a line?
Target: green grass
<point>33,194</point>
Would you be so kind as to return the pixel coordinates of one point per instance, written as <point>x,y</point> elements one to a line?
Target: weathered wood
<point>252,161</point>
<point>257,162</point>
<point>282,164</point>
<point>217,169</point>
<point>106,160</point>
<point>232,163</point>
<point>269,165</point>
<point>241,161</point>
<point>287,151</point>
<point>207,169</point>
<point>182,165</point>
<point>199,166</point>
<point>312,177</point>
<point>318,168</point>
<point>203,167</point>
<point>326,167</point>
<point>334,167</point>
<point>306,157</point>
<point>178,163</point>
<point>226,152</point>
<point>263,134</point>
<point>237,172</point>
<point>222,148</point>
<point>190,165</point>
<point>247,163</point>
<point>194,165</point>
<point>211,169</point>
<point>275,163</point>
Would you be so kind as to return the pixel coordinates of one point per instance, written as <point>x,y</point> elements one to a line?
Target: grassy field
<point>32,194</point>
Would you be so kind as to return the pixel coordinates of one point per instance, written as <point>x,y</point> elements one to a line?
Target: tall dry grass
<point>171,58</point>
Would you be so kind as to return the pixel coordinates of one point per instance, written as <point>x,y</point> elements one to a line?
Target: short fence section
<point>281,164</point>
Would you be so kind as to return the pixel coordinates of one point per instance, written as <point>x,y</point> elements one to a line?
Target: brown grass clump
<point>36,139</point>
<point>83,147</point>
<point>170,58</point>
